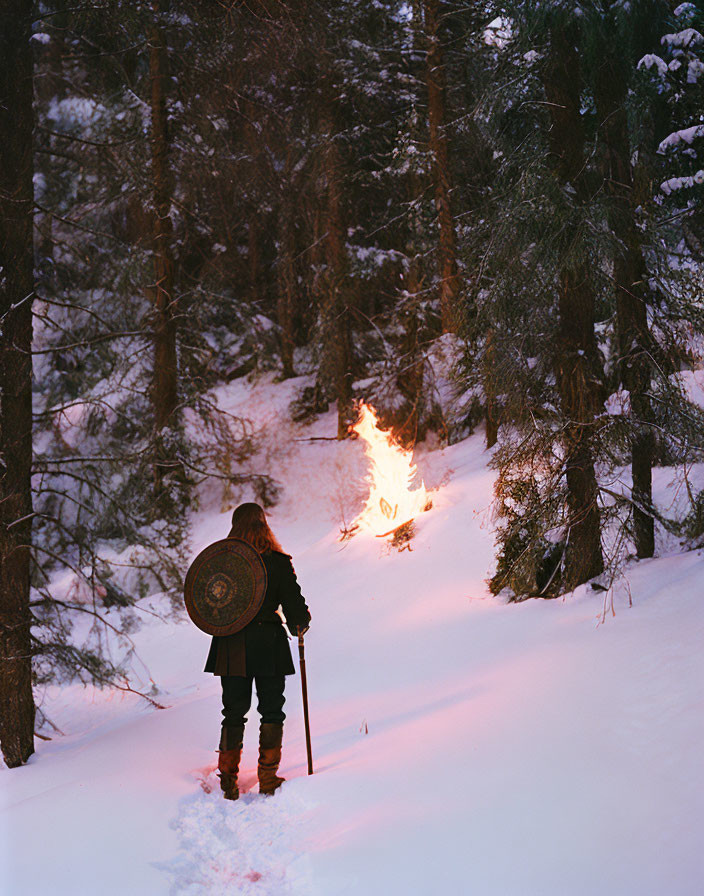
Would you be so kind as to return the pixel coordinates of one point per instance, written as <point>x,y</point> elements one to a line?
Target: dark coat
<point>261,647</point>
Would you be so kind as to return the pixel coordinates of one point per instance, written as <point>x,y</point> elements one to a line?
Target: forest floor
<point>462,745</point>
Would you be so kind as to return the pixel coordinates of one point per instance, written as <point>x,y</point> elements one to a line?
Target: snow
<point>673,184</point>
<point>686,135</point>
<point>461,744</point>
<point>75,110</point>
<point>685,38</point>
<point>651,60</point>
<point>685,9</point>
<point>498,32</point>
<point>618,403</point>
<point>694,69</point>
<point>692,383</point>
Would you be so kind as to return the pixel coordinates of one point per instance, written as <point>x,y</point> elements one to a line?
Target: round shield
<point>225,586</point>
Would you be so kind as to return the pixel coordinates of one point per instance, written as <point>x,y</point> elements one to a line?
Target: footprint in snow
<point>253,845</point>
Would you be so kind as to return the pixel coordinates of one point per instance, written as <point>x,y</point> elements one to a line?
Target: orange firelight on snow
<point>391,502</point>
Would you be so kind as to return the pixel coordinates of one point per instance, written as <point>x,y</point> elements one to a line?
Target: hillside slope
<point>461,745</point>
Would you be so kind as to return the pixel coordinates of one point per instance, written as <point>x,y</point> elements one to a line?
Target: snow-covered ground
<point>461,745</point>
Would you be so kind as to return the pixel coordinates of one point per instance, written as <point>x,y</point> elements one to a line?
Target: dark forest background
<point>193,192</point>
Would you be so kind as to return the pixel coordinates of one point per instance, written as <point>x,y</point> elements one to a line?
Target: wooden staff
<point>304,687</point>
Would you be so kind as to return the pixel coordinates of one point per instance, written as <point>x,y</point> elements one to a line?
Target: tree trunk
<point>410,378</point>
<point>16,295</point>
<point>579,398</point>
<point>286,296</point>
<point>629,280</point>
<point>254,266</point>
<point>286,271</point>
<point>164,386</point>
<point>254,229</point>
<point>337,318</point>
<point>447,247</point>
<point>491,413</point>
<point>576,358</point>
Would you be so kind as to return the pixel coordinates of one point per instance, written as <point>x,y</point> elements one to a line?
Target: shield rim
<point>260,583</point>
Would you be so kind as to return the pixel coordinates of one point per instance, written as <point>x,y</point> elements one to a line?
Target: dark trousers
<point>237,698</point>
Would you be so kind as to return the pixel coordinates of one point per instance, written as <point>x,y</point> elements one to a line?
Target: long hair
<point>249,523</point>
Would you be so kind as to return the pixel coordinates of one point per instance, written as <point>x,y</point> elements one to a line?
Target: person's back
<point>260,654</point>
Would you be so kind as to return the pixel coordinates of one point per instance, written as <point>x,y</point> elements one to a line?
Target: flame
<point>391,501</point>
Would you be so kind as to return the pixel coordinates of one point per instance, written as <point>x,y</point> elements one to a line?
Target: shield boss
<point>225,586</point>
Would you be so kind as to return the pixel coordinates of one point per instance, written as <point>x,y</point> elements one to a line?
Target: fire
<point>391,502</point>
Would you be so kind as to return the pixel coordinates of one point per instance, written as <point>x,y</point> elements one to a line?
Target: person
<point>258,653</point>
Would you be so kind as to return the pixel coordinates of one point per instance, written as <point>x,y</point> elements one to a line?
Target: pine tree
<point>582,308</point>
<point>17,709</point>
<point>96,425</point>
<point>576,361</point>
<point>437,120</point>
<point>165,384</point>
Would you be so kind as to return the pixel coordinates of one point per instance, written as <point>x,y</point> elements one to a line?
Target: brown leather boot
<point>230,753</point>
<point>270,737</point>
